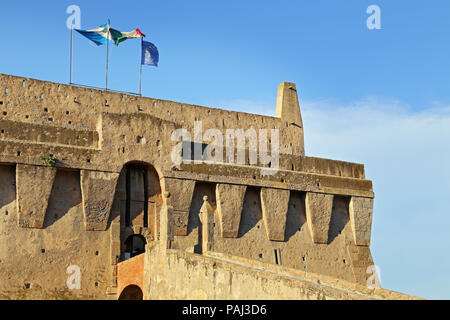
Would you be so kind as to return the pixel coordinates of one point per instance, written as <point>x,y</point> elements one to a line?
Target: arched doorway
<point>140,201</point>
<point>143,196</point>
<point>134,245</point>
<point>131,292</point>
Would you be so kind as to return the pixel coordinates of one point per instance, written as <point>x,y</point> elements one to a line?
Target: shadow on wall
<point>296,215</point>
<point>8,185</point>
<point>339,217</point>
<point>251,211</point>
<point>201,190</point>
<point>66,194</point>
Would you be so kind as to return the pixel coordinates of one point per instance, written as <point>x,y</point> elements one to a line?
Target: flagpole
<point>107,57</point>
<point>140,62</point>
<point>70,65</point>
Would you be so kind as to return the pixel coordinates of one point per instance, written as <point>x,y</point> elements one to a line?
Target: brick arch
<point>131,292</point>
<point>130,272</point>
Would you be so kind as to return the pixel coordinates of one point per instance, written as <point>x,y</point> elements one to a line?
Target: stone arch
<point>131,292</point>
<point>139,202</point>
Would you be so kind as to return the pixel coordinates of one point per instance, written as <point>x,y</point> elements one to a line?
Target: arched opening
<point>143,196</point>
<point>139,201</point>
<point>131,292</point>
<point>134,245</point>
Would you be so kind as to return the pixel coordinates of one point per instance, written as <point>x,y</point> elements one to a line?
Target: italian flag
<point>102,34</point>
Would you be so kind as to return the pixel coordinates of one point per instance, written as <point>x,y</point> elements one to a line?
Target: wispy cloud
<point>406,154</point>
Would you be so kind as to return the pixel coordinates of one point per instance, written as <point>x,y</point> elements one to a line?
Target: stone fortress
<point>88,184</point>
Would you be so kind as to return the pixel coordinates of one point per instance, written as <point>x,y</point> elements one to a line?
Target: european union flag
<point>150,54</point>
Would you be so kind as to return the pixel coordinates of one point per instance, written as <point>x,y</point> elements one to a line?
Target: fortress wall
<point>69,119</point>
<point>338,256</point>
<point>33,262</point>
<point>313,214</point>
<point>181,275</point>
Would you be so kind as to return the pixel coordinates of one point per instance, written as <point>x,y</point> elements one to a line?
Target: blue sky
<point>379,97</point>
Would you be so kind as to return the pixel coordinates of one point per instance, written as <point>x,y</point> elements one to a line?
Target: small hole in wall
<point>304,258</point>
<point>42,250</point>
<point>6,90</point>
<point>6,212</point>
<point>260,255</point>
<point>50,119</point>
<point>96,253</point>
<point>75,100</point>
<point>59,89</point>
<point>88,160</point>
<point>42,96</point>
<point>154,105</point>
<point>27,116</point>
<point>343,261</point>
<point>27,286</point>
<point>45,110</point>
<point>168,113</point>
<point>5,113</point>
<point>67,112</point>
<point>123,99</point>
<point>258,227</point>
<point>1,102</point>
<point>294,206</point>
<point>282,180</point>
<point>92,94</point>
<point>96,283</point>
<point>70,122</point>
<point>2,131</point>
<point>106,103</point>
<point>18,153</point>
<point>23,84</point>
<point>209,113</point>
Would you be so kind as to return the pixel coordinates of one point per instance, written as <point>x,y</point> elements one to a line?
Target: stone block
<point>361,211</point>
<point>98,190</point>
<point>230,199</point>
<point>274,203</point>
<point>319,207</point>
<point>34,187</point>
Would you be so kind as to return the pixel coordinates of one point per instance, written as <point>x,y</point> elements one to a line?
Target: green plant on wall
<point>50,160</point>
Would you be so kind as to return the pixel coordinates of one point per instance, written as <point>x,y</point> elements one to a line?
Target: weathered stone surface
<point>361,211</point>
<point>274,203</point>
<point>101,133</point>
<point>230,199</point>
<point>319,207</point>
<point>207,220</point>
<point>179,193</point>
<point>98,189</point>
<point>34,187</point>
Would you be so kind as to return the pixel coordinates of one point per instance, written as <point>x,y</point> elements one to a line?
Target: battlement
<point>87,172</point>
